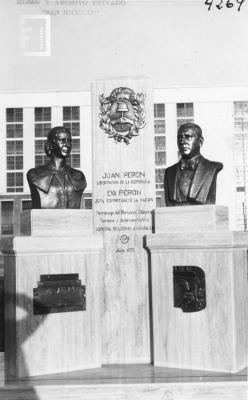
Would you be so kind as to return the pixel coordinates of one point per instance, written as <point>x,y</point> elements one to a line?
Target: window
<point>41,130</point>
<point>42,114</point>
<point>14,154</point>
<point>185,113</point>
<point>42,118</point>
<point>14,162</point>
<point>14,115</point>
<point>26,205</point>
<point>71,121</point>
<point>88,203</point>
<point>160,178</point>
<point>7,218</point>
<point>160,151</point>
<point>71,113</point>
<point>14,149</point>
<point>39,146</point>
<point>14,131</point>
<point>160,158</point>
<point>15,146</point>
<point>241,161</point>
<point>14,182</point>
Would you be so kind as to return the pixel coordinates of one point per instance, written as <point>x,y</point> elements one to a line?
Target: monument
<point>199,270</point>
<point>192,180</point>
<point>53,274</point>
<point>56,185</point>
<point>80,287</point>
<point>124,195</point>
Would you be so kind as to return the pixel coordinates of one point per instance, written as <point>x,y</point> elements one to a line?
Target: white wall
<point>174,42</point>
<point>216,122</point>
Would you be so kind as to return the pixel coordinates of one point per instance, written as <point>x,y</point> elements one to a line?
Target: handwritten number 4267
<point>221,4</point>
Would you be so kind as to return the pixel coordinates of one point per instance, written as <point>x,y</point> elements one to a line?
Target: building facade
<point>26,118</point>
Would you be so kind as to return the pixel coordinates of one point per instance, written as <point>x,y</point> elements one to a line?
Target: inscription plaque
<point>59,293</point>
<point>189,288</point>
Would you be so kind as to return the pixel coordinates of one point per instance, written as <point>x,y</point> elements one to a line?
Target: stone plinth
<point>192,218</point>
<point>214,338</point>
<point>57,341</point>
<point>51,222</point>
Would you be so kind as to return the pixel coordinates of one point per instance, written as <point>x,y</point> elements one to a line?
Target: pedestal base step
<point>128,382</point>
<point>165,391</point>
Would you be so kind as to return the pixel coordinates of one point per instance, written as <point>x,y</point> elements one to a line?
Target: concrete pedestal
<point>57,341</point>
<point>214,338</point>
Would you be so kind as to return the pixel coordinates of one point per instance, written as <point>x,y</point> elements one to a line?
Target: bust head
<point>189,140</point>
<point>58,142</point>
<point>56,185</point>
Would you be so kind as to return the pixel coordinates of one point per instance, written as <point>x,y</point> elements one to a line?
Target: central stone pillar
<point>124,195</point>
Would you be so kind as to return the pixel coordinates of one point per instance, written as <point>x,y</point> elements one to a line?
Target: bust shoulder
<point>77,178</point>
<point>40,171</point>
<point>173,166</point>
<point>75,173</point>
<point>40,177</point>
<point>218,166</point>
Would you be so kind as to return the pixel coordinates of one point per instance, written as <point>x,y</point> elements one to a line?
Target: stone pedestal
<point>62,270</point>
<point>214,337</point>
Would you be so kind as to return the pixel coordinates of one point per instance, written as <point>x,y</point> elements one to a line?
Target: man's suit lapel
<point>203,176</point>
<point>172,180</point>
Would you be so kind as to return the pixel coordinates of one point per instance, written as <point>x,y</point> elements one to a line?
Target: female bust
<point>56,185</point>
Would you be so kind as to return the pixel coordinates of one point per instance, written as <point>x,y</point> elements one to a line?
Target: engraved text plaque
<point>59,293</point>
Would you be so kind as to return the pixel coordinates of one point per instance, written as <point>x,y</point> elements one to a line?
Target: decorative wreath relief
<point>122,114</point>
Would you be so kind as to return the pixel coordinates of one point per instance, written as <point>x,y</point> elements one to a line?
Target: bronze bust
<point>56,185</point>
<point>192,180</point>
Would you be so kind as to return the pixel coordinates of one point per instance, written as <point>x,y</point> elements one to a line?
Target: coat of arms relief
<point>122,114</point>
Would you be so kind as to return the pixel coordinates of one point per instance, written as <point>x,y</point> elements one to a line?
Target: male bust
<point>192,180</point>
<point>56,185</point>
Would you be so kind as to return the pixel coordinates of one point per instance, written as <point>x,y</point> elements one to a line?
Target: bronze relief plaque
<point>189,288</point>
<point>59,293</point>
